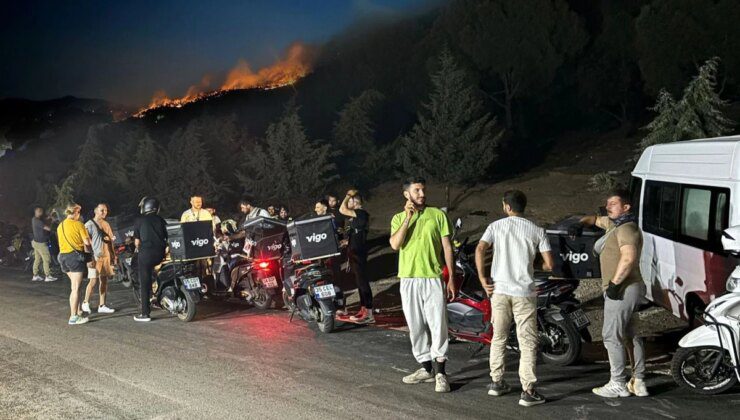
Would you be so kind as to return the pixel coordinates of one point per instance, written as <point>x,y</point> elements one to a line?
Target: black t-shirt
<point>358,227</point>
<point>151,230</point>
<point>39,233</point>
<point>339,218</point>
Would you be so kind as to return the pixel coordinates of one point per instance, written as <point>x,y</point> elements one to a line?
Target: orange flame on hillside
<point>286,71</point>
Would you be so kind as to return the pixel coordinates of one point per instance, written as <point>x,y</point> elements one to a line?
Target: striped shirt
<point>516,242</point>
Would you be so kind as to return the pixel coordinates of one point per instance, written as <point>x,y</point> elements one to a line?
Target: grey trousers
<point>425,309</point>
<point>619,333</point>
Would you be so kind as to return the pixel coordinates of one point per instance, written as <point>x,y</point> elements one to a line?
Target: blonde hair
<point>72,209</point>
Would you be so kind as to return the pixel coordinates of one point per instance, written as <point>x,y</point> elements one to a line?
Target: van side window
<point>660,208</point>
<point>694,215</point>
<point>695,210</point>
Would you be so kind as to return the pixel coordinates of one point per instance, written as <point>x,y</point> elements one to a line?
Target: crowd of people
<point>422,237</point>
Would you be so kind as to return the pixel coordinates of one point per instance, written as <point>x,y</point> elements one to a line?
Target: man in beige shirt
<point>624,290</point>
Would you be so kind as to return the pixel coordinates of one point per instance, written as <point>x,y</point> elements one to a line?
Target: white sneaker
<point>37,278</point>
<point>86,307</point>
<point>419,376</point>
<point>612,390</point>
<point>442,385</point>
<point>105,310</point>
<point>50,279</point>
<point>637,387</point>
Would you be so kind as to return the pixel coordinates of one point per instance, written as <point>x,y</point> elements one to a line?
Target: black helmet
<point>149,205</point>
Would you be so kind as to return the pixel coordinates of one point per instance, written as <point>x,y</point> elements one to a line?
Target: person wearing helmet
<point>150,238</point>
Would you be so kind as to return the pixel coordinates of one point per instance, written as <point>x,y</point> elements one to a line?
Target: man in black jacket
<point>150,235</point>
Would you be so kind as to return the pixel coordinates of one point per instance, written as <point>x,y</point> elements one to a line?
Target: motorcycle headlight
<point>733,284</point>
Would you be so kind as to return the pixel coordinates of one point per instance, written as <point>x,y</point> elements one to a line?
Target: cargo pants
<point>523,310</point>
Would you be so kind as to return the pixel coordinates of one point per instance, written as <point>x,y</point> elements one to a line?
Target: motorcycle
<point>309,291</point>
<point>562,325</point>
<point>235,274</point>
<point>124,267</point>
<point>708,359</point>
<point>177,287</point>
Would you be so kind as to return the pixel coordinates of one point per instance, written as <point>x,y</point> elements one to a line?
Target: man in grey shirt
<point>40,244</point>
<point>516,242</point>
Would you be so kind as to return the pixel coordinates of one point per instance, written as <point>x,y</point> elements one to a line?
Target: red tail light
<point>262,265</point>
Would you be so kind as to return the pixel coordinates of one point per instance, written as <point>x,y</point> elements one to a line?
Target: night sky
<point>123,51</point>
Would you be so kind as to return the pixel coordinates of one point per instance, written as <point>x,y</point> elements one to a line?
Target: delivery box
<point>313,239</point>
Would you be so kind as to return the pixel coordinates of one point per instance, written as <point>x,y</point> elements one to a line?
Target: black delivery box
<point>574,257</point>
<point>122,227</point>
<point>190,240</point>
<point>313,239</point>
<point>264,238</point>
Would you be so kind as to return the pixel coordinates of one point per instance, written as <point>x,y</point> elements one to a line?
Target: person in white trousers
<point>421,235</point>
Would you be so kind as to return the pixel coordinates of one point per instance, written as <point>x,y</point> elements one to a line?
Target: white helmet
<point>731,239</point>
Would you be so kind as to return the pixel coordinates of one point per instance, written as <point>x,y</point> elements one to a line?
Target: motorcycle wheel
<point>692,366</point>
<point>188,313</point>
<point>262,300</point>
<point>325,323</point>
<point>560,342</point>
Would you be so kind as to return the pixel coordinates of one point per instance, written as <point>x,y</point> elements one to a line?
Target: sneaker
<point>142,318</point>
<point>528,399</point>
<point>498,388</point>
<point>612,390</point>
<point>37,278</point>
<point>442,385</point>
<point>50,279</point>
<point>637,387</point>
<point>86,307</point>
<point>363,317</point>
<point>419,376</point>
<point>359,315</point>
<point>105,310</point>
<point>77,320</point>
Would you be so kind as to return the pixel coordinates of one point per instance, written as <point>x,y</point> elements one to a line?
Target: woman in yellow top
<point>73,242</point>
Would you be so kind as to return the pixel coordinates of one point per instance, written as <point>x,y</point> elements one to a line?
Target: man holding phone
<point>421,235</point>
<point>516,242</point>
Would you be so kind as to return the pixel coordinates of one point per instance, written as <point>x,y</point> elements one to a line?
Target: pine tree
<point>64,194</point>
<point>702,107</point>
<point>354,135</point>
<point>186,172</point>
<point>454,139</point>
<point>145,169</point>
<point>287,165</point>
<point>89,168</point>
<point>697,115</point>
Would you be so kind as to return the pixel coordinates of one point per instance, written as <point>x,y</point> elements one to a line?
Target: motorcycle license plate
<point>579,318</point>
<point>191,283</point>
<point>269,282</point>
<point>324,291</point>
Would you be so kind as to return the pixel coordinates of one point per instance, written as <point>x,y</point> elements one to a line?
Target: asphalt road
<point>234,361</point>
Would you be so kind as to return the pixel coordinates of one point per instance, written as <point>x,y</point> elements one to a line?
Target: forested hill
<point>499,76</point>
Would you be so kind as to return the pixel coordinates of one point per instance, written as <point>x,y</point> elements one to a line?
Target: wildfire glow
<point>286,71</point>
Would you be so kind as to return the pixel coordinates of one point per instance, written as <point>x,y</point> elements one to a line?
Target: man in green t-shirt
<point>421,235</point>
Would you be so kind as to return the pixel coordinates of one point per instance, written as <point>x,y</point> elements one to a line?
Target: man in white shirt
<point>516,242</point>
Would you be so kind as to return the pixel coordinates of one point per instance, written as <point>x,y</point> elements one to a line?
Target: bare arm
<point>343,209</point>
<point>450,263</point>
<point>627,262</point>
<point>588,220</point>
<point>548,262</point>
<point>480,264</point>
<point>398,238</point>
<point>137,243</point>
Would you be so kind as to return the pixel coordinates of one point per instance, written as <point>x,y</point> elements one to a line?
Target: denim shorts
<point>72,262</point>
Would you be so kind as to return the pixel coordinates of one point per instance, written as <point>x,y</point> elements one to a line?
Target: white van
<point>687,193</point>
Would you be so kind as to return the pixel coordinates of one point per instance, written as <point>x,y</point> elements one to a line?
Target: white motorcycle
<point>708,359</point>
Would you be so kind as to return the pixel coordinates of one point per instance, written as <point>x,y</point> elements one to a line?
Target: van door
<point>682,253</point>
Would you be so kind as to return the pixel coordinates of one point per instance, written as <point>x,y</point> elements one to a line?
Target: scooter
<point>124,257</point>
<point>177,287</point>
<point>708,359</point>
<point>235,274</point>
<point>309,291</point>
<point>561,323</point>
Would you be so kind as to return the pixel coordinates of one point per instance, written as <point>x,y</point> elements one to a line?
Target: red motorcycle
<point>561,322</point>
